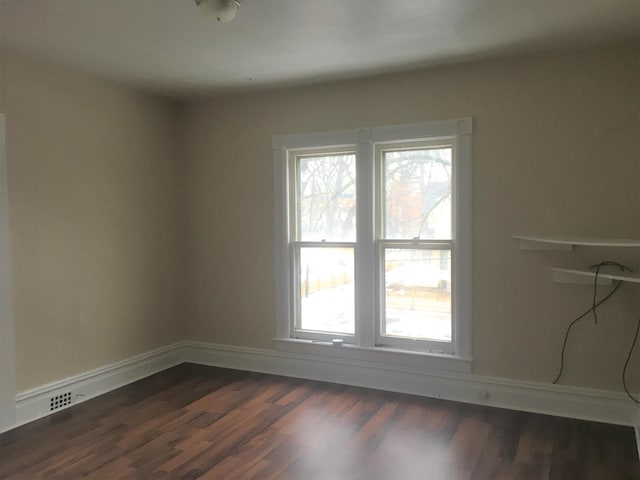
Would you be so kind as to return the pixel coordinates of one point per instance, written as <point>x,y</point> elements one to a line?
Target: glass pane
<point>327,197</point>
<point>417,187</point>
<point>327,290</point>
<point>417,286</point>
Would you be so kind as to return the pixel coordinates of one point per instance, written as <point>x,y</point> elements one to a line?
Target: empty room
<point>339,239</point>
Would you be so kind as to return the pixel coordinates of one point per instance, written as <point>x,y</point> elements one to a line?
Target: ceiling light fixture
<point>221,10</point>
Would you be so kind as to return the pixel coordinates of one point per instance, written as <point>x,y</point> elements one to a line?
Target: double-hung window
<point>373,241</point>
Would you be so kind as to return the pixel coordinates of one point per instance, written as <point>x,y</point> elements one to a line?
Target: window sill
<point>381,356</point>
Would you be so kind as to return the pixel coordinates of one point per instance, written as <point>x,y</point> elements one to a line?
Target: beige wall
<point>555,151</point>
<point>109,260</point>
<point>95,220</point>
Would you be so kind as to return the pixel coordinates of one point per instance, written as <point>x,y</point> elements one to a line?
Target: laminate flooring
<point>197,422</point>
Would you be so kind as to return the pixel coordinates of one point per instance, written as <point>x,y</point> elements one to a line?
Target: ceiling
<point>167,45</point>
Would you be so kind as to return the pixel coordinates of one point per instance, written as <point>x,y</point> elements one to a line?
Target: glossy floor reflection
<point>203,422</point>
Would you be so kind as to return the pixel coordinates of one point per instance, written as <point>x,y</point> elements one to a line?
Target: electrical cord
<point>597,266</point>
<point>593,308</point>
<point>566,335</point>
<point>595,294</point>
<point>635,337</point>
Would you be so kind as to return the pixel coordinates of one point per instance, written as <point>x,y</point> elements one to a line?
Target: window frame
<point>382,242</point>
<point>365,344</point>
<point>296,242</point>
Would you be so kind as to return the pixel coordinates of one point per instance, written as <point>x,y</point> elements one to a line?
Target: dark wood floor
<point>202,422</point>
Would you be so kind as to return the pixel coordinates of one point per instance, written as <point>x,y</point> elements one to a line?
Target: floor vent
<point>59,401</point>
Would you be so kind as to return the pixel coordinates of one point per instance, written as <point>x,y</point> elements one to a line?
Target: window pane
<point>327,197</point>
<point>417,187</point>
<point>327,290</point>
<point>417,293</point>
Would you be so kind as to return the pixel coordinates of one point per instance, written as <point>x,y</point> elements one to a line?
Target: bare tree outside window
<point>417,205</point>
<point>327,201</point>
<point>327,213</point>
<point>418,193</point>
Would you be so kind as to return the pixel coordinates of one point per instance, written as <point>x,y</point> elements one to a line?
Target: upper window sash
<point>322,189</point>
<point>413,169</point>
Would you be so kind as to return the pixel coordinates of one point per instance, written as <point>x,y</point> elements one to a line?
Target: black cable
<point>592,309</point>
<point>597,266</point>
<point>566,335</point>
<point>595,293</point>
<point>626,364</point>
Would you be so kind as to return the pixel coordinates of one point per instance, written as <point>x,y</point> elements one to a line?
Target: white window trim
<point>364,139</point>
<point>381,243</point>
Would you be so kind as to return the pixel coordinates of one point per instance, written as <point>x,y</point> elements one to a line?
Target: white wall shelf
<point>560,242</point>
<point>581,275</point>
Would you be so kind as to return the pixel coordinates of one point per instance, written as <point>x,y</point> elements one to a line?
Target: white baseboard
<point>34,403</point>
<point>564,401</point>
<point>572,402</point>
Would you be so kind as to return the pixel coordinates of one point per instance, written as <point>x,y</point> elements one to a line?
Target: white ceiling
<point>167,45</point>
